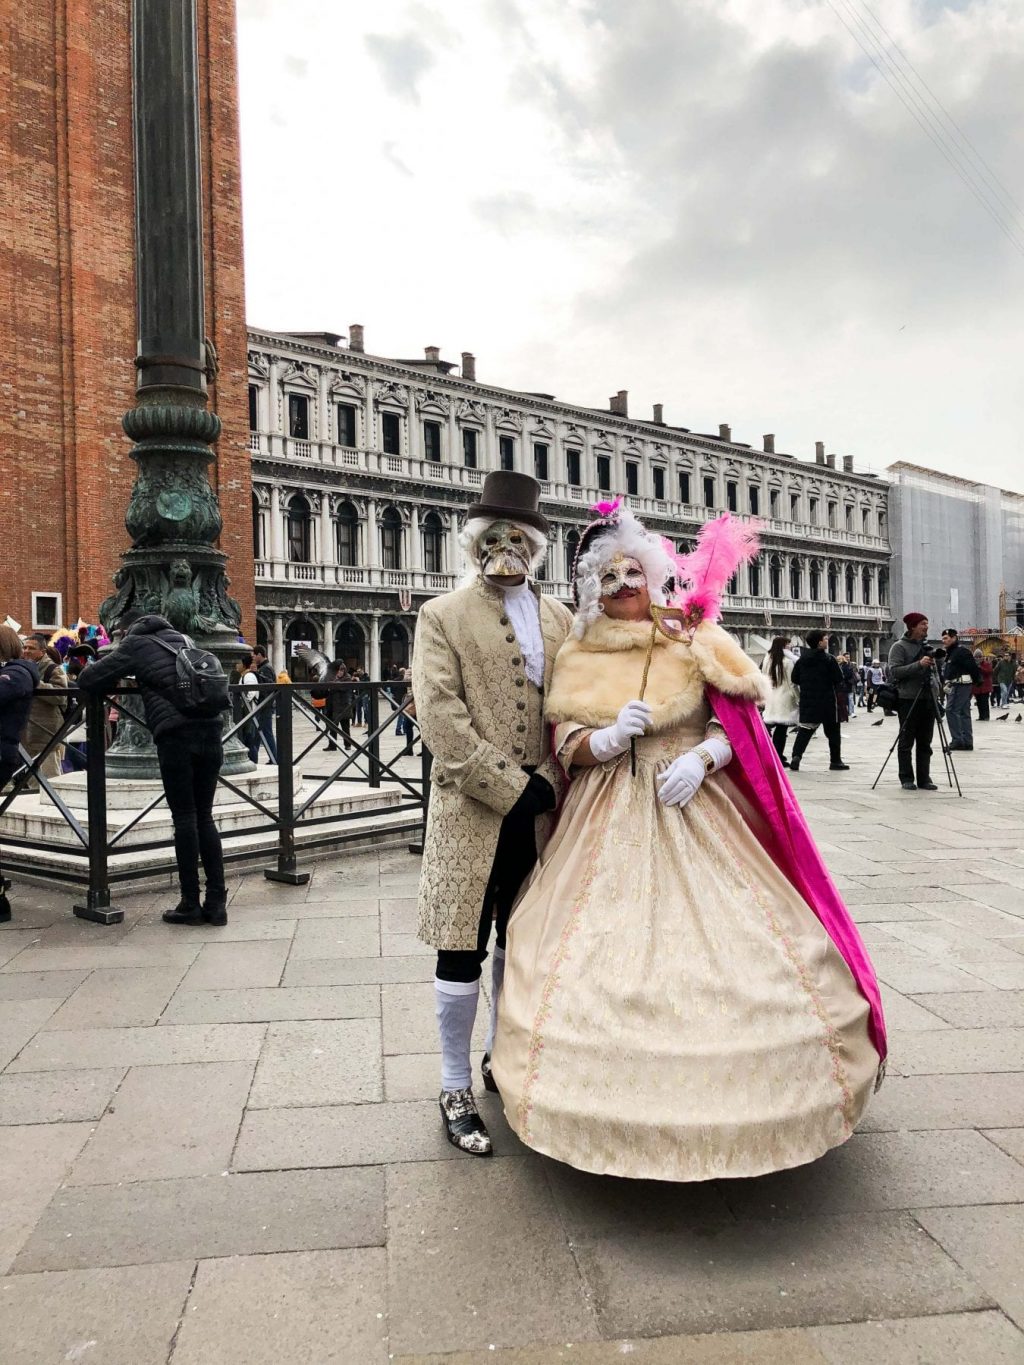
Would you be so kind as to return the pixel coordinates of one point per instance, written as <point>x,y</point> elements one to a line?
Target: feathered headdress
<point>617,531</point>
<point>703,574</point>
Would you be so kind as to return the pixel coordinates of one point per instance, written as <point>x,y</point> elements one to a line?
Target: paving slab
<point>222,966</point>
<point>1011,1140</point>
<point>345,971</point>
<point>410,1021</point>
<point>980,1049</point>
<point>118,997</point>
<point>406,945</point>
<point>91,954</point>
<point>356,936</point>
<point>20,1021</point>
<point>948,942</point>
<point>343,1135</point>
<point>593,1206</point>
<point>983,1009</point>
<point>122,1316</point>
<point>416,1075</point>
<point>317,1062</point>
<point>239,929</point>
<point>40,985</point>
<point>989,1243</point>
<point>57,1096</point>
<point>34,1160</point>
<point>1005,976</point>
<point>165,1122</point>
<point>264,1004</point>
<point>88,1049</point>
<point>884,1171</point>
<point>207,1216</point>
<point>309,1306</point>
<point>806,1272</point>
<point>984,1338</point>
<point>914,976</point>
<point>947,1101</point>
<point>450,1259</point>
<point>398,916</point>
<point>251,913</point>
<point>904,1014</point>
<point>791,1346</point>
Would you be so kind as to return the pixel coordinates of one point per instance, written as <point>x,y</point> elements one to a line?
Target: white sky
<point>716,204</point>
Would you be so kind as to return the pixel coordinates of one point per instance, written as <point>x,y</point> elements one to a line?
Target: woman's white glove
<point>681,780</point>
<point>613,740</point>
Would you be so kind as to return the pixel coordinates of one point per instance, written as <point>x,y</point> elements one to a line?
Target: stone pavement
<point>222,1146</point>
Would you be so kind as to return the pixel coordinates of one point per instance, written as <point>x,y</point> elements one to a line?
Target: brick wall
<point>67,323</point>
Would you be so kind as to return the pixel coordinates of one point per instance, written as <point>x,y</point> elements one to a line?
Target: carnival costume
<point>482,660</point>
<point>685,996</point>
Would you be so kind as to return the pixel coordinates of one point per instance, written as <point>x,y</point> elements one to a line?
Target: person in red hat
<point>912,669</point>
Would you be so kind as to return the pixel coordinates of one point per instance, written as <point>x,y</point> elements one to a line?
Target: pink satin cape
<point>790,844</point>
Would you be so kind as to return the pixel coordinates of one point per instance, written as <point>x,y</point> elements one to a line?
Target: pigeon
<point>1005,717</point>
<point>1019,719</point>
<point>876,723</point>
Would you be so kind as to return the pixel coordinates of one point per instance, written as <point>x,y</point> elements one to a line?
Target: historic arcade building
<point>363,468</point>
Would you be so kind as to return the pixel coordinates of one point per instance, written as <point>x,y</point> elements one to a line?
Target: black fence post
<point>287,864</point>
<point>374,743</point>
<point>97,905</point>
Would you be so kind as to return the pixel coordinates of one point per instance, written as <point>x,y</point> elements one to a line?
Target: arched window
<point>775,577</point>
<point>851,582</point>
<point>865,586</point>
<point>433,541</point>
<point>391,539</point>
<point>349,644</point>
<point>733,586</point>
<point>833,583</point>
<point>814,580</point>
<point>262,634</point>
<point>346,534</point>
<point>754,577</point>
<point>851,649</point>
<point>572,545</point>
<point>300,530</point>
<point>257,529</point>
<point>796,577</point>
<point>301,628</point>
<point>394,645</point>
<point>883,587</point>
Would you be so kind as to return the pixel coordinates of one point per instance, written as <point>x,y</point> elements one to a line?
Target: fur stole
<point>594,677</point>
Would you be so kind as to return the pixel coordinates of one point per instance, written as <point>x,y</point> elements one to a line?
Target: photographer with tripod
<point>912,670</point>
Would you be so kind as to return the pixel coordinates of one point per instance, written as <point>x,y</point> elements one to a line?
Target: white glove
<point>613,740</point>
<point>681,780</point>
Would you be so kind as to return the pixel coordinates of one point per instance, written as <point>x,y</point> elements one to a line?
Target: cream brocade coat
<point>482,719</point>
<point>672,1008</point>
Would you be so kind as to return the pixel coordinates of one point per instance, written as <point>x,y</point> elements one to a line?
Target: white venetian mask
<point>503,550</point>
<point>622,572</point>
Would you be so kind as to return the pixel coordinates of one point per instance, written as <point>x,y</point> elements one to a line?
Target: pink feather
<point>605,509</point>
<point>722,546</point>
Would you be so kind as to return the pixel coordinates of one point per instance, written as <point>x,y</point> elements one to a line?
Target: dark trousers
<point>333,726</point>
<point>778,734</point>
<point>265,722</point>
<point>513,862</point>
<point>917,725</point>
<point>189,765</point>
<point>983,704</point>
<point>832,733</point>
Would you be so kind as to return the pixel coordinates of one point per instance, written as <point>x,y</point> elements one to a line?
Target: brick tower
<point>67,320</point>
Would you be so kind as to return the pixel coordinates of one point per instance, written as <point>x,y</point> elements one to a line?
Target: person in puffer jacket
<point>190,752</point>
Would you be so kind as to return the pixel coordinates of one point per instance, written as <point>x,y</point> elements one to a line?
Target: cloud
<point>401,61</point>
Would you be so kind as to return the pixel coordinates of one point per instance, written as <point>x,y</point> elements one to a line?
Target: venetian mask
<point>504,550</point>
<point>622,572</point>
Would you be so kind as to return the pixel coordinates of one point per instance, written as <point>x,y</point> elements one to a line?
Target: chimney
<point>433,353</point>
<point>355,337</point>
<point>468,365</point>
<point>819,452</point>
<point>769,443</point>
<point>620,403</point>
<point>847,464</point>
<point>830,460</point>
<point>724,431</point>
<point>659,419</point>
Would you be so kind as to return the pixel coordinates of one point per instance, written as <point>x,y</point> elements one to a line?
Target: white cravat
<point>523,611</point>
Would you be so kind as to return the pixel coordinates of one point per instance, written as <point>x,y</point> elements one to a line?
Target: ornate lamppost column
<point>173,516</point>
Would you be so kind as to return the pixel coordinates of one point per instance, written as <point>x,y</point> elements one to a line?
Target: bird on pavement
<point>1006,717</point>
<point>876,723</point>
<point>1019,719</point>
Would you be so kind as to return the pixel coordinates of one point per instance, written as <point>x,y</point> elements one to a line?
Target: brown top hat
<point>511,495</point>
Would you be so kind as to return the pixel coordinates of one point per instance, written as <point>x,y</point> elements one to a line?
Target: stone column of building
<point>327,555</point>
<point>415,547</point>
<point>277,641</point>
<point>374,643</point>
<point>277,514</point>
<point>414,434</point>
<point>454,443</point>
<point>454,549</point>
<point>372,540</point>
<point>323,408</point>
<point>328,641</point>
<point>369,419</point>
<point>275,412</point>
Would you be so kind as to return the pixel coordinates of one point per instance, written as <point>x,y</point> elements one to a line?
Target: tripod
<point>940,726</point>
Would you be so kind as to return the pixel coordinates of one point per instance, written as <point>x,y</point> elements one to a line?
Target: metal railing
<point>92,843</point>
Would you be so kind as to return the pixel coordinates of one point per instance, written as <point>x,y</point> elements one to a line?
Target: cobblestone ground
<point>222,1146</point>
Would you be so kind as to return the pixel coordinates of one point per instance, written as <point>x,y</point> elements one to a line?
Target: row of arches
<point>299,535</point>
<point>350,642</point>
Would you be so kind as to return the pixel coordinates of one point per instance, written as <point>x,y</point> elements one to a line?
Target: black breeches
<point>514,858</point>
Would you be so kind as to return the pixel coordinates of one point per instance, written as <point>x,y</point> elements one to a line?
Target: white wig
<point>625,535</point>
<point>469,539</point>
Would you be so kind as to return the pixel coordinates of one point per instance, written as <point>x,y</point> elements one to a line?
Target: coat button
<point>502,763</point>
<point>520,705</point>
<point>520,682</point>
<point>517,660</point>
<point>517,752</point>
<point>503,620</point>
<point>521,728</point>
<point>510,639</point>
<point>483,782</point>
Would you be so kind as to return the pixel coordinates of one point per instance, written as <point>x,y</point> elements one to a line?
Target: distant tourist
<point>819,679</point>
<point>912,671</point>
<point>782,709</point>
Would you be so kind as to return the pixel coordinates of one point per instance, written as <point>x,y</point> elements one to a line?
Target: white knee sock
<point>456,1013</point>
<point>497,977</point>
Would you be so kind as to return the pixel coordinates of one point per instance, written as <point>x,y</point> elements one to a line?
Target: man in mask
<point>482,659</point>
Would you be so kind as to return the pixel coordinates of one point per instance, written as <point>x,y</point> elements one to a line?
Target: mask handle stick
<point>643,689</point>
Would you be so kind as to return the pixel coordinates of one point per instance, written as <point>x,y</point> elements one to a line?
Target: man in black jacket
<point>912,669</point>
<point>190,752</point>
<point>960,675</point>
<point>819,680</point>
<point>264,670</point>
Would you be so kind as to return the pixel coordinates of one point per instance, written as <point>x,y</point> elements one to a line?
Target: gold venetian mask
<point>504,551</point>
<point>622,572</point>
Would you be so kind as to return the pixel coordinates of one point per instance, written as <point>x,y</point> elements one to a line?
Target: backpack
<point>201,688</point>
